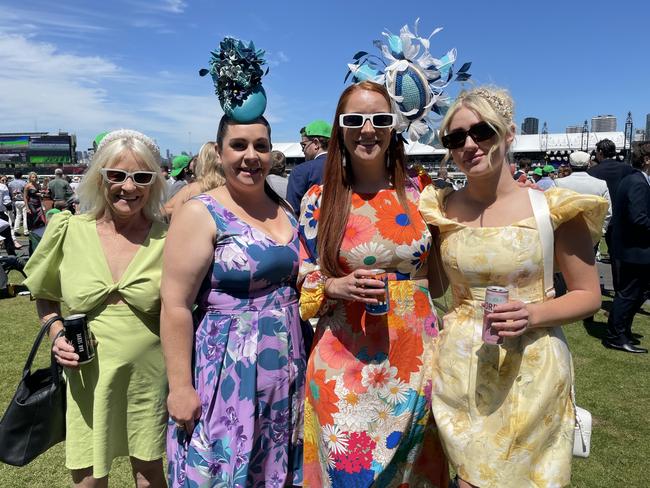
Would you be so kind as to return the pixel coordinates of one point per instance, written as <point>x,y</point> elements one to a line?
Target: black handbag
<point>35,419</point>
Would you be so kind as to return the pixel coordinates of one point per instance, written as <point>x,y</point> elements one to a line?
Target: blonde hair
<point>208,173</point>
<point>492,104</point>
<point>93,192</point>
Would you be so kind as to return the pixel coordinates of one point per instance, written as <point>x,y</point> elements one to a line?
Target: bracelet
<point>328,281</point>
<point>60,333</point>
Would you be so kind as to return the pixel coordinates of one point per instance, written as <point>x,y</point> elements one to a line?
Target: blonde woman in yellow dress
<point>504,412</point>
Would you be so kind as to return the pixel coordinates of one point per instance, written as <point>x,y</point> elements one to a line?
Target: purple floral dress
<point>249,365</point>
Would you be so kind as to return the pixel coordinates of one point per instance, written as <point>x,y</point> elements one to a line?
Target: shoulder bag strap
<point>32,354</point>
<point>546,235</point>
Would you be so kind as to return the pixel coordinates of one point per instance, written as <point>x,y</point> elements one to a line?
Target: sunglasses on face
<point>479,132</point>
<point>119,176</point>
<point>378,121</point>
<point>305,144</point>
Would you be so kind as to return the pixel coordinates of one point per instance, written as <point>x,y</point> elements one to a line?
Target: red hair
<point>338,181</point>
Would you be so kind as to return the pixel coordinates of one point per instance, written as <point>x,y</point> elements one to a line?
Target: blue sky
<point>86,66</point>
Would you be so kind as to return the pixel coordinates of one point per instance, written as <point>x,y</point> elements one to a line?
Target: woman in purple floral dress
<point>236,379</point>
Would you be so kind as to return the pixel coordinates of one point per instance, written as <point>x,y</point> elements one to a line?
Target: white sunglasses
<point>379,120</point>
<point>119,176</point>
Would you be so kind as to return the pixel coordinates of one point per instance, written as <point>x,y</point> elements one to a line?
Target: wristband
<point>60,333</point>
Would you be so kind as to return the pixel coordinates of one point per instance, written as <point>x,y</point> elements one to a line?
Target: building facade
<point>530,125</point>
<point>603,123</point>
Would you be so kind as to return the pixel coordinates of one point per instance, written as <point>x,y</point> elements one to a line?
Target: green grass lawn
<point>613,386</point>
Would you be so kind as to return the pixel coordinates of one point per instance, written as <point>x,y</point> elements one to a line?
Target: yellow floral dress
<point>504,413</point>
<point>368,417</point>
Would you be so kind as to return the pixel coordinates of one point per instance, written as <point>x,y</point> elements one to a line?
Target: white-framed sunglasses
<point>379,120</point>
<point>119,176</point>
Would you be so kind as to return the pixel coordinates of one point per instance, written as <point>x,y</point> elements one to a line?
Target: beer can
<point>77,332</point>
<point>383,306</point>
<point>494,295</point>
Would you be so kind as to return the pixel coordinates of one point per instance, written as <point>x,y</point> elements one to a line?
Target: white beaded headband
<point>134,134</point>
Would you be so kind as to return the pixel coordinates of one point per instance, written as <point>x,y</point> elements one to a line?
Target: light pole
<point>627,141</point>
<point>584,140</point>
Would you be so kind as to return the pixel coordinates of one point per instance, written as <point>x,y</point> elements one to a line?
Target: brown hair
<point>339,179</point>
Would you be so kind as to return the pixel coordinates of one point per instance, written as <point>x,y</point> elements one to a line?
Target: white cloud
<point>30,22</point>
<point>174,6</point>
<point>45,88</point>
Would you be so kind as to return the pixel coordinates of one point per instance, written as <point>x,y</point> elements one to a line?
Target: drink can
<point>77,332</point>
<point>494,295</point>
<point>383,306</point>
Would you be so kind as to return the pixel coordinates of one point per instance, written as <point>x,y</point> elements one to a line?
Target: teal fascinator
<point>236,70</point>
<point>415,80</point>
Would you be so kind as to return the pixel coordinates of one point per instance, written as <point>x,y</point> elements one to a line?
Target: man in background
<point>181,173</point>
<point>582,182</point>
<point>60,190</point>
<point>16,189</point>
<point>630,249</point>
<point>314,139</point>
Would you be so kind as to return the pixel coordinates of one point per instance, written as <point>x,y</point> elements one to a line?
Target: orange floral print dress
<point>368,419</point>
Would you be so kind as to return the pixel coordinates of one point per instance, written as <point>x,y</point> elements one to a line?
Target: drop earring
<point>343,160</point>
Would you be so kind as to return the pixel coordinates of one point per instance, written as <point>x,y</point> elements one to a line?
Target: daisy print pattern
<point>371,423</point>
<point>369,254</point>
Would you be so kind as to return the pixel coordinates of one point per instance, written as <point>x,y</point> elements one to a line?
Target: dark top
<point>612,172</point>
<point>59,189</point>
<point>631,220</point>
<point>302,178</point>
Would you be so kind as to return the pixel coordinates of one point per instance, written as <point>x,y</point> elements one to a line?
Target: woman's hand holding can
<point>359,286</point>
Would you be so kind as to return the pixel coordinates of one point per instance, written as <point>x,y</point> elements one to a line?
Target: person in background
<point>181,173</point>
<point>630,240</point>
<point>60,190</point>
<point>106,263</point>
<point>17,188</point>
<point>33,199</point>
<point>7,233</point>
<point>546,181</point>
<point>521,175</point>
<point>314,141</point>
<point>505,412</point>
<point>612,171</point>
<point>277,178</point>
<point>580,181</point>
<point>443,180</point>
<point>209,175</point>
<point>165,172</point>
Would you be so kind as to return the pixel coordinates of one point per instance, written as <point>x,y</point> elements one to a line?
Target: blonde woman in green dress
<point>106,263</point>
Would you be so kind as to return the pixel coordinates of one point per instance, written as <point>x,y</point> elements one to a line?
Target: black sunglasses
<point>479,132</point>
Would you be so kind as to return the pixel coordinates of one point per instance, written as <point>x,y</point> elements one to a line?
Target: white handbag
<point>582,431</point>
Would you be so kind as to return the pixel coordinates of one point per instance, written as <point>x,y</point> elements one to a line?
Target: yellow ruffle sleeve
<point>431,206</point>
<point>42,269</point>
<point>565,205</point>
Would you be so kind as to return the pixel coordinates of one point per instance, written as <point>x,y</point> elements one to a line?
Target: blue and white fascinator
<point>415,80</point>
<point>236,70</point>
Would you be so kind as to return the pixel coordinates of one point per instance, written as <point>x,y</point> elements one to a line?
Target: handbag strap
<point>545,229</point>
<point>39,338</point>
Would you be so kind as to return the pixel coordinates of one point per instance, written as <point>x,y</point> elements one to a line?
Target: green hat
<point>179,163</point>
<point>98,138</point>
<point>538,172</point>
<point>51,213</point>
<point>548,169</point>
<point>318,128</point>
